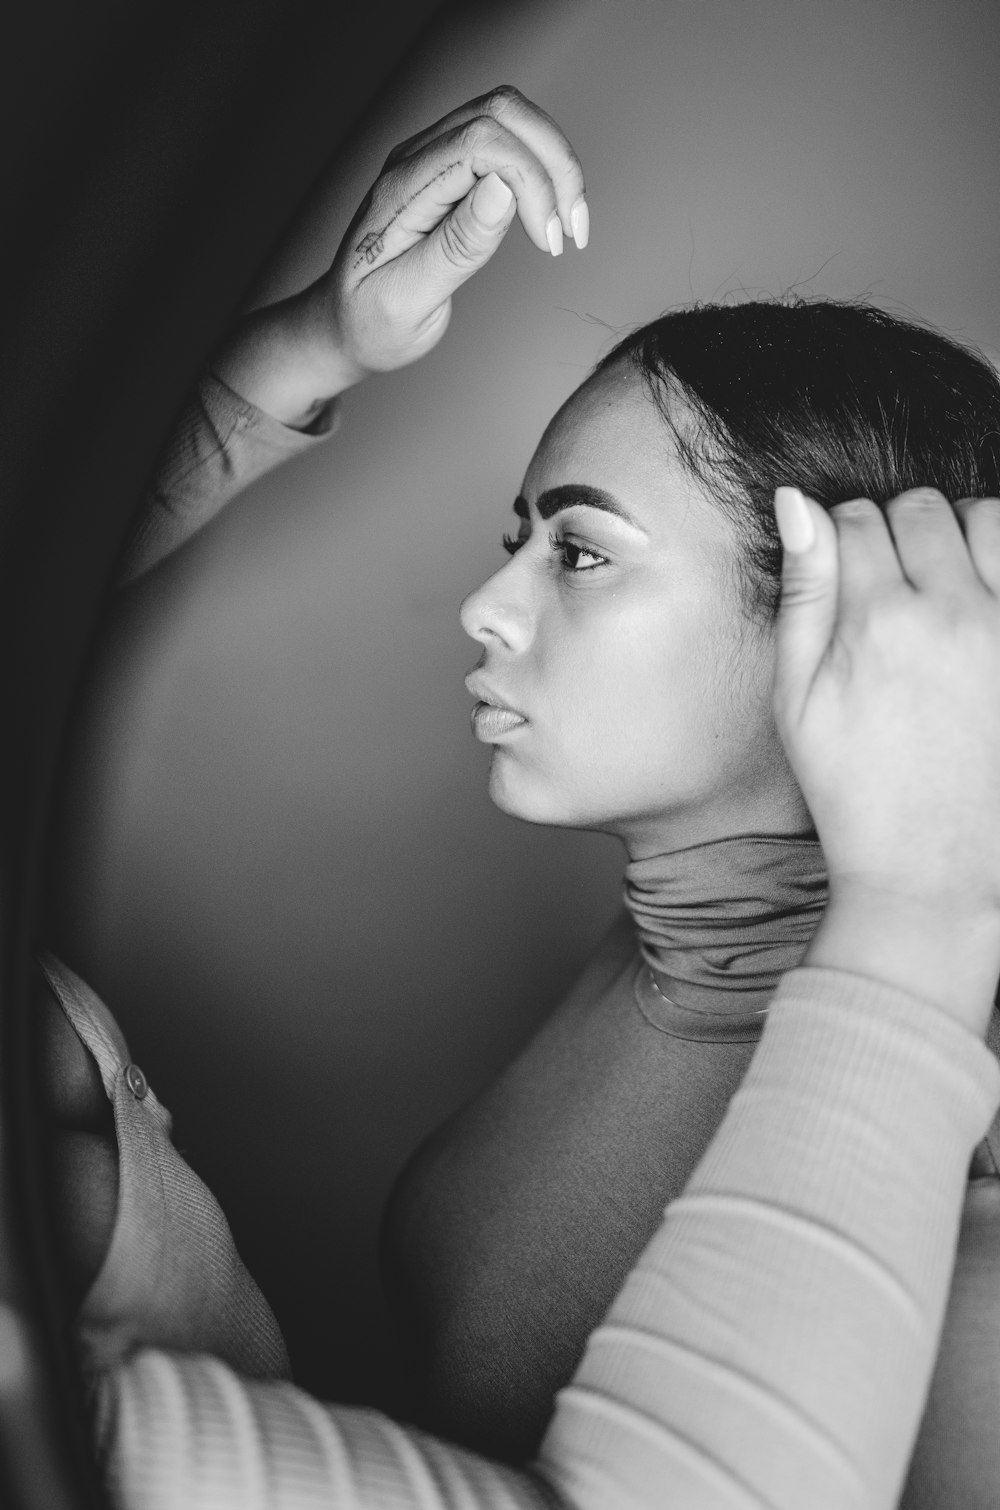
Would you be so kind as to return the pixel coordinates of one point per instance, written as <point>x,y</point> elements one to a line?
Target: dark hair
<point>837,398</point>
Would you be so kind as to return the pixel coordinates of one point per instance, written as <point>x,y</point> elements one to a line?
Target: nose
<point>499,612</point>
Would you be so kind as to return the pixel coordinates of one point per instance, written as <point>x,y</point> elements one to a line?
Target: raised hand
<point>887,695</point>
<point>436,214</point>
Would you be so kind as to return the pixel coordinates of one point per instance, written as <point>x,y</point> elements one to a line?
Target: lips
<point>491,717</point>
<point>490,724</point>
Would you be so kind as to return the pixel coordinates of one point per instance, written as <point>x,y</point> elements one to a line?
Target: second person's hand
<point>887,695</point>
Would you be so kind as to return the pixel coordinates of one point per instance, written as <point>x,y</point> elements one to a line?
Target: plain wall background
<point>277,862</point>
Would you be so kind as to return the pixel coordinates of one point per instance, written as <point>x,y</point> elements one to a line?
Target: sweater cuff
<point>220,445</point>
<point>230,412</point>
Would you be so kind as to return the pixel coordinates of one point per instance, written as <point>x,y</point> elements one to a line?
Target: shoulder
<point>71,1087</point>
<point>82,1151</point>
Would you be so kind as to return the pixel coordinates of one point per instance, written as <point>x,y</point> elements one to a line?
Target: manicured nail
<point>852,506</point>
<point>579,219</point>
<point>795,523</point>
<point>491,199</point>
<point>553,235</point>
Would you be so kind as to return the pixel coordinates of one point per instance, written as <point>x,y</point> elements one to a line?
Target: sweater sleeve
<point>220,445</point>
<point>772,1348</point>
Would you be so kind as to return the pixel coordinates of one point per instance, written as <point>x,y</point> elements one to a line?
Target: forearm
<point>775,1343</point>
<point>269,393</point>
<point>221,444</point>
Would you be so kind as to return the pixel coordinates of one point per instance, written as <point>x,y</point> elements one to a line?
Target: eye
<point>576,558</point>
<point>512,543</point>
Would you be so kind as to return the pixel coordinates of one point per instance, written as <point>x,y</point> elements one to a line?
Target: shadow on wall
<point>278,863</point>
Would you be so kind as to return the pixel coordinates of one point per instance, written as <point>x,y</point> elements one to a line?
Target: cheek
<point>660,664</point>
<point>739,727</point>
<point>690,691</point>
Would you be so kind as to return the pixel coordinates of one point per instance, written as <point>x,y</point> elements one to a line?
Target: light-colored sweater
<point>772,1346</point>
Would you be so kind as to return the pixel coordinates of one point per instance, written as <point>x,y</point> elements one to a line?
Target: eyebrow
<point>570,494</point>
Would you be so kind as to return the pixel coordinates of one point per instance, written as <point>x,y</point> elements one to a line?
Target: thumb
<point>464,241</point>
<point>810,571</point>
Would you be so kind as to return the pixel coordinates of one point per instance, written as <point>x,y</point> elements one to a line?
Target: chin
<point>515,793</point>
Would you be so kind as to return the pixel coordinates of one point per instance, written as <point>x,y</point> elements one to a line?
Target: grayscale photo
<point>501,892</point>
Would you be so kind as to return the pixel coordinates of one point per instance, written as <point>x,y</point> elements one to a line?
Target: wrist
<point>287,361</point>
<point>940,949</point>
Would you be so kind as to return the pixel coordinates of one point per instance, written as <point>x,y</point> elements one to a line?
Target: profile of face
<point>622,684</point>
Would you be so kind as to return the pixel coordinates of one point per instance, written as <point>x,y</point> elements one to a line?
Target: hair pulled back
<point>839,399</point>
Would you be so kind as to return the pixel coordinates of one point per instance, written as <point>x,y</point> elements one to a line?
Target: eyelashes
<point>570,554</point>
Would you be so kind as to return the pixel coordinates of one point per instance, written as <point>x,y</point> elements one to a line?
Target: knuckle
<point>478,135</point>
<point>503,100</point>
<point>917,498</point>
<point>458,244</point>
<point>986,509</point>
<point>898,608</point>
<point>382,194</point>
<point>803,592</point>
<point>930,626</point>
<point>849,509</point>
<point>570,168</point>
<point>856,514</point>
<point>950,617</point>
<point>387,303</point>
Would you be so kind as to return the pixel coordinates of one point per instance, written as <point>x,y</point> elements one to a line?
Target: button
<point>136,1081</point>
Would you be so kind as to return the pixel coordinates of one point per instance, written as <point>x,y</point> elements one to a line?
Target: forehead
<point>611,435</point>
<point>610,415</point>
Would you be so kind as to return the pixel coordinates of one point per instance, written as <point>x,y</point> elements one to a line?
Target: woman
<point>185,1359</point>
<point>624,683</point>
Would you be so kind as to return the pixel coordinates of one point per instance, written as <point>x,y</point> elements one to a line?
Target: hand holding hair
<point>438,211</point>
<point>887,696</point>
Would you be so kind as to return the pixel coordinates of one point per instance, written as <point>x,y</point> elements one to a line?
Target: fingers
<point>916,540</point>
<point>809,596</point>
<point>836,566</point>
<point>929,541</point>
<point>438,211</point>
<point>503,129</point>
<point>980,519</point>
<point>869,565</point>
<point>461,244</point>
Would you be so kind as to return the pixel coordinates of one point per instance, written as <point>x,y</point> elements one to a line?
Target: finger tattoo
<point>371,246</point>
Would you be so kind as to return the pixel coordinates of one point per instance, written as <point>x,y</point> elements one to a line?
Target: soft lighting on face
<point>618,630</point>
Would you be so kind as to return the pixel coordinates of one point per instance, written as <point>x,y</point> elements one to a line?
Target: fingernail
<point>553,235</point>
<point>852,506</point>
<point>795,523</point>
<point>491,199</point>
<point>579,219</point>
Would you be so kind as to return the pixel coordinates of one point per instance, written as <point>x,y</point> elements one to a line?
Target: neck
<point>772,809</point>
<point>720,922</point>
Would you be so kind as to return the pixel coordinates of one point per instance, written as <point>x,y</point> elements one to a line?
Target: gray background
<point>277,860</point>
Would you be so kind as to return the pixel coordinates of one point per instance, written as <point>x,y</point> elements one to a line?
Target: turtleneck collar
<point>718,925</point>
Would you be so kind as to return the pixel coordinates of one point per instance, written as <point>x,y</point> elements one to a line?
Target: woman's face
<point>621,684</point>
